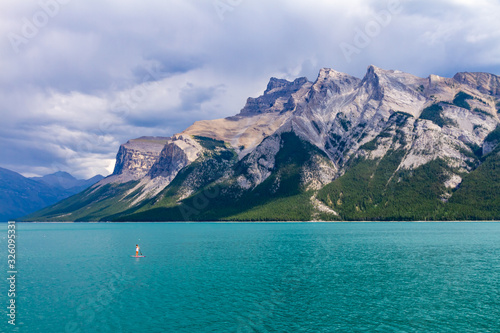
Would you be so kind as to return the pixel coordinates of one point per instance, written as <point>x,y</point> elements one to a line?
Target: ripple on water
<point>385,277</point>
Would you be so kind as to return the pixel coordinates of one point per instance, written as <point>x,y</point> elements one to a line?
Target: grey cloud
<point>192,96</point>
<point>160,66</point>
<point>191,107</point>
<point>102,49</point>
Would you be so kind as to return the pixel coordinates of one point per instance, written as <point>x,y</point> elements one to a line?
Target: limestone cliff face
<point>260,117</point>
<point>136,158</point>
<point>297,143</point>
<point>484,82</point>
<point>178,152</point>
<point>276,97</point>
<point>344,117</point>
<point>337,113</point>
<point>175,155</point>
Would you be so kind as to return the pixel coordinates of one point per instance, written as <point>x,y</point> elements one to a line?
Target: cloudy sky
<point>80,77</point>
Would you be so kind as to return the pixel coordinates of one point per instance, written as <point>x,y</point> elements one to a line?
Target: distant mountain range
<point>389,146</point>
<point>20,196</point>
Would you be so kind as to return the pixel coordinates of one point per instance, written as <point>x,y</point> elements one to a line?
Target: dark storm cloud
<point>97,73</point>
<point>166,65</point>
<point>192,97</point>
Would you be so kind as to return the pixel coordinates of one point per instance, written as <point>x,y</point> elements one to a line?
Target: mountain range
<point>20,195</point>
<point>388,146</point>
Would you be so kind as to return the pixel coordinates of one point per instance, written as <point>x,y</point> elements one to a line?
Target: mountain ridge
<point>447,126</point>
<point>66,181</point>
<point>21,195</point>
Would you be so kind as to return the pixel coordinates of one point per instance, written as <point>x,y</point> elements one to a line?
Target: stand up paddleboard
<point>138,256</point>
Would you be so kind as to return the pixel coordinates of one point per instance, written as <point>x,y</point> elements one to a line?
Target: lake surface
<point>247,277</point>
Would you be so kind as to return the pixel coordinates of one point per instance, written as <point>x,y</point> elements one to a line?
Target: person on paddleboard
<point>137,248</point>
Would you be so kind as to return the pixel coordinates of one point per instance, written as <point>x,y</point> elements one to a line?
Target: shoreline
<point>247,222</point>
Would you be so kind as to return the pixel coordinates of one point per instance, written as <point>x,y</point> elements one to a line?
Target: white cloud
<point>99,73</point>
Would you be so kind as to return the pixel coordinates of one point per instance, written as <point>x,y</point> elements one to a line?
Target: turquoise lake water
<point>244,277</point>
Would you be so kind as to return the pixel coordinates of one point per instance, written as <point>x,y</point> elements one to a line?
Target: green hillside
<point>370,190</point>
<point>93,204</point>
<point>374,190</point>
<point>279,197</point>
<point>478,197</point>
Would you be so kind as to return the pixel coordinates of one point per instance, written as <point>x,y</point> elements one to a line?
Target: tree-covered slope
<point>282,196</point>
<point>389,146</point>
<point>375,190</point>
<point>478,196</point>
<point>99,203</point>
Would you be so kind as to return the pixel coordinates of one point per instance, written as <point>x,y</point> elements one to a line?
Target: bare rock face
<point>317,173</point>
<point>135,159</point>
<point>177,153</point>
<point>301,135</point>
<point>275,97</point>
<point>484,82</point>
<point>339,113</point>
<point>491,141</point>
<point>243,133</point>
<point>330,81</point>
<point>428,118</point>
<point>261,117</point>
<point>260,162</point>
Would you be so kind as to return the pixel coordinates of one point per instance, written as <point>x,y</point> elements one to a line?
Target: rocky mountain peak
<point>275,97</point>
<point>370,148</point>
<point>391,77</point>
<point>371,83</point>
<point>281,85</point>
<point>440,88</point>
<point>484,82</point>
<point>373,73</point>
<point>435,80</point>
<point>335,81</point>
